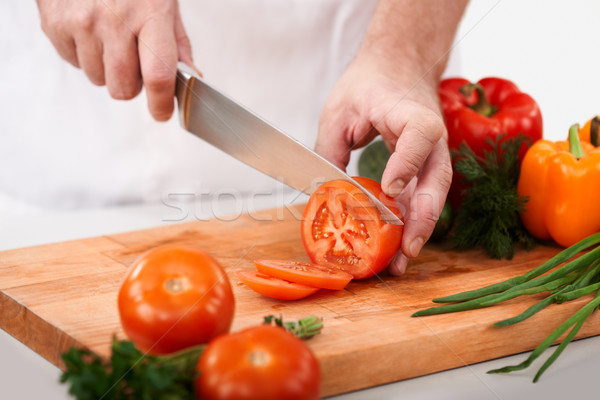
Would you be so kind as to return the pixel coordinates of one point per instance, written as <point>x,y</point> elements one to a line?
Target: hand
<point>370,99</point>
<point>122,44</point>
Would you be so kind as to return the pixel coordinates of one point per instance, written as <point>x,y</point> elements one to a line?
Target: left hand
<point>403,108</point>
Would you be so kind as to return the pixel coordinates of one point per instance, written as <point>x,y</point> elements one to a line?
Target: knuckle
<point>160,82</point>
<point>428,216</point>
<point>410,155</point>
<point>53,25</point>
<point>120,66</point>
<point>429,126</point>
<point>410,163</point>
<point>83,22</point>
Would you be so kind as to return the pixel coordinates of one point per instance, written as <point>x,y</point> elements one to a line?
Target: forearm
<point>413,37</point>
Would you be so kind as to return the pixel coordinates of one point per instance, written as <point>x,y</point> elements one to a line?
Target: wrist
<point>402,64</point>
<point>412,38</point>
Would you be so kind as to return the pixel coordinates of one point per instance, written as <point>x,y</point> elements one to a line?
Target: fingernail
<point>395,187</point>
<point>416,245</point>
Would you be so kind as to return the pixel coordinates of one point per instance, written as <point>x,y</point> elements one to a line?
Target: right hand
<point>122,44</point>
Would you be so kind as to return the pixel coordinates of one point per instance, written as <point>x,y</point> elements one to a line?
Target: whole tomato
<point>263,362</point>
<point>174,297</point>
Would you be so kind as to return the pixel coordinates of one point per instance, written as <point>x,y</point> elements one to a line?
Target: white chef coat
<point>65,143</point>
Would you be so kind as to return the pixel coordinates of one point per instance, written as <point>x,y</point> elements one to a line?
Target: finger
<point>414,144</point>
<point>399,262</point>
<point>89,55</point>
<point>184,46</point>
<point>65,47</point>
<point>88,47</point>
<point>121,63</point>
<point>337,133</point>
<point>158,63</point>
<point>398,265</point>
<point>427,200</point>
<point>62,41</point>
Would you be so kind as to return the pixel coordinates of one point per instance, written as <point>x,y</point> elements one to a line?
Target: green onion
<point>574,279</point>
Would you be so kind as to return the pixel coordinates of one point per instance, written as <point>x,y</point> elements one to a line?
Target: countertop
<point>25,375</point>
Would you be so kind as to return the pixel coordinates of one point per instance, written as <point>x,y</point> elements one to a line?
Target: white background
<point>548,48</point>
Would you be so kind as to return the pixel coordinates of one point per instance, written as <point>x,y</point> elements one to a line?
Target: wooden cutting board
<point>59,295</point>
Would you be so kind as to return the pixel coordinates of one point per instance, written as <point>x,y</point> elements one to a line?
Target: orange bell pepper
<point>589,131</point>
<point>562,182</point>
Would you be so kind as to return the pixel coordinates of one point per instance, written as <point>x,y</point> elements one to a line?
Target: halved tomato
<point>274,287</point>
<point>308,274</point>
<point>341,228</point>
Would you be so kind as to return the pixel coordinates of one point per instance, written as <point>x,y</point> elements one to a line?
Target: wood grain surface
<point>59,295</point>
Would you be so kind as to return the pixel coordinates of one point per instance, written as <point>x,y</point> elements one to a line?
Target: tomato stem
<point>482,106</point>
<point>304,328</point>
<point>574,142</point>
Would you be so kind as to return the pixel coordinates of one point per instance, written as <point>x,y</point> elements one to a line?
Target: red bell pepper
<point>486,109</point>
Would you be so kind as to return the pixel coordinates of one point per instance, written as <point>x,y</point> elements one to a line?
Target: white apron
<point>65,143</point>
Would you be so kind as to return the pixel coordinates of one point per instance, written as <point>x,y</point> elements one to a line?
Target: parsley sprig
<point>130,374</point>
<point>489,213</point>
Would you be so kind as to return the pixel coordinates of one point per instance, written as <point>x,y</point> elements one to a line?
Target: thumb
<point>184,45</point>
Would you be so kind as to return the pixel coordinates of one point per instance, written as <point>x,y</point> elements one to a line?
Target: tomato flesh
<point>305,273</point>
<point>274,287</point>
<point>263,363</point>
<point>174,297</point>
<point>344,235</point>
<point>342,229</point>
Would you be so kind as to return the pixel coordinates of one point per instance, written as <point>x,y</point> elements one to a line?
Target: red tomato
<point>175,297</point>
<point>264,362</point>
<point>308,274</point>
<point>273,287</point>
<point>342,229</point>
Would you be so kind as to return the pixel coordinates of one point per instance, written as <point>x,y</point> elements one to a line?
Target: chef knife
<point>220,121</point>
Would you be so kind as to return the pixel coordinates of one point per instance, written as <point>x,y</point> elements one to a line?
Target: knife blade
<point>222,122</point>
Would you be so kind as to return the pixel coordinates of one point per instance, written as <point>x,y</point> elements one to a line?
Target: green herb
<point>574,279</point>
<point>489,213</point>
<point>304,328</point>
<point>132,375</point>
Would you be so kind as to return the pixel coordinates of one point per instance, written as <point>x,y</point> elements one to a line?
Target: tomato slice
<point>308,274</point>
<point>342,229</point>
<point>274,287</point>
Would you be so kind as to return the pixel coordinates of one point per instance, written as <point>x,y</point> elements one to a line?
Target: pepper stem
<point>482,106</point>
<point>574,142</point>
<point>594,127</point>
